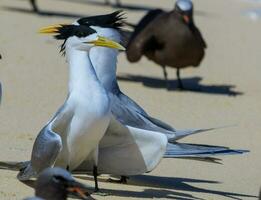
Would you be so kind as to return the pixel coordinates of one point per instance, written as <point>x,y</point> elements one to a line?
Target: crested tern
<point>76,129</point>
<point>134,143</point>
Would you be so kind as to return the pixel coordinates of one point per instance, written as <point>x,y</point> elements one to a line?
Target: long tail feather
<point>179,134</point>
<point>199,152</point>
<point>202,159</point>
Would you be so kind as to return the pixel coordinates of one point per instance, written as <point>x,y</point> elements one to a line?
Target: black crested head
<point>66,31</point>
<point>113,20</point>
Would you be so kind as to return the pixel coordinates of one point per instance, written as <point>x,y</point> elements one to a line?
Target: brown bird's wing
<point>149,17</point>
<point>200,38</point>
<point>141,36</point>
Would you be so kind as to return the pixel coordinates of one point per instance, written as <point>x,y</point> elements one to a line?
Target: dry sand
<point>34,79</point>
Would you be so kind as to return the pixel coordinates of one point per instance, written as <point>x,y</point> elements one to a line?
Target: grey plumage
<point>128,116</point>
<point>56,184</point>
<point>47,145</point>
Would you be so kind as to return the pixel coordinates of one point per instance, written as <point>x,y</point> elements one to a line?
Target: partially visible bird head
<point>185,8</point>
<point>57,183</point>
<point>85,33</point>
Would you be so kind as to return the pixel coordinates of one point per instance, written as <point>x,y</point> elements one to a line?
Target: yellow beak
<point>105,42</point>
<point>100,41</point>
<point>53,29</point>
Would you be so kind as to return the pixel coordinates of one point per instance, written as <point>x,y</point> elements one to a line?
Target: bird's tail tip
<point>13,165</point>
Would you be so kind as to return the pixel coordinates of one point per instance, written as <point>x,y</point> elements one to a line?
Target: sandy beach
<point>34,82</point>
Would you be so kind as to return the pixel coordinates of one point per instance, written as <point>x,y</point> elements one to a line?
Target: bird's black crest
<point>113,20</point>
<point>66,31</point>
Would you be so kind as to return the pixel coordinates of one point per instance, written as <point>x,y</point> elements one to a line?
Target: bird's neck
<point>104,61</point>
<point>81,72</point>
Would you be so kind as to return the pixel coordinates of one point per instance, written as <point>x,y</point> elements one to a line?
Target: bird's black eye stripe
<point>67,31</point>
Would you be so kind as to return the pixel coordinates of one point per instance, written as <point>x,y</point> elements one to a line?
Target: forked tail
<point>199,152</point>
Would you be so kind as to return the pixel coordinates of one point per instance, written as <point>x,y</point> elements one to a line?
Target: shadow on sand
<point>168,187</point>
<point>42,13</point>
<point>126,6</point>
<point>163,187</point>
<point>97,3</point>
<point>191,84</point>
<point>123,6</point>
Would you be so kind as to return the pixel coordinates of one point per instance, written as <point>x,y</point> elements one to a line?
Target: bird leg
<point>166,76</point>
<point>180,85</point>
<point>95,175</point>
<point>107,2</point>
<point>35,8</point>
<point>118,3</point>
<point>122,180</point>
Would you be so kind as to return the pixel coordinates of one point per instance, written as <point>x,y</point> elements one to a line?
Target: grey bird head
<point>57,184</point>
<point>185,8</point>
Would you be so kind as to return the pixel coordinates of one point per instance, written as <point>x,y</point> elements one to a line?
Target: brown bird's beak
<point>186,19</point>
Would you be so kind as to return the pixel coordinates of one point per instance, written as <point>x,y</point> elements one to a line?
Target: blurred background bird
<point>117,2</point>
<point>57,184</point>
<point>107,2</point>
<point>169,39</point>
<point>34,6</point>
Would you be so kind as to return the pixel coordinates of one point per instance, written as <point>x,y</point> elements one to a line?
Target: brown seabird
<point>169,39</point>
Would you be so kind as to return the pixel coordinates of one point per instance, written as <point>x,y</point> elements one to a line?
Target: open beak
<point>105,42</point>
<point>53,29</point>
<point>79,190</point>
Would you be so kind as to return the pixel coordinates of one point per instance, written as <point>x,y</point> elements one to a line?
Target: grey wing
<point>45,151</point>
<point>160,123</point>
<point>48,143</point>
<point>126,150</point>
<point>131,103</point>
<point>46,148</point>
<point>130,113</point>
